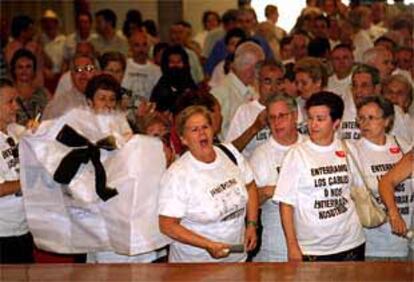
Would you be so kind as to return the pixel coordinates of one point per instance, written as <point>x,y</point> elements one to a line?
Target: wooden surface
<point>369,271</point>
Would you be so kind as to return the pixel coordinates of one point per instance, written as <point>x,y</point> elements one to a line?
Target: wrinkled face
<point>104,101</point>
<point>270,81</point>
<point>362,86</point>
<point>139,47</point>
<point>398,94</point>
<point>248,72</point>
<point>198,135</point>
<point>404,59</point>
<point>24,70</point>
<point>212,22</point>
<point>342,61</point>
<point>371,121</point>
<point>115,69</point>
<point>84,24</point>
<point>282,121</point>
<point>305,85</point>
<point>8,105</point>
<point>384,63</point>
<point>82,71</point>
<point>320,125</point>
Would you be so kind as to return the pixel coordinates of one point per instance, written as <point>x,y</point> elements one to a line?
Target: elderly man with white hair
<point>380,58</point>
<point>236,87</point>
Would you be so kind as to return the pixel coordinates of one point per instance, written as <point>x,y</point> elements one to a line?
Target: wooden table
<point>368,271</point>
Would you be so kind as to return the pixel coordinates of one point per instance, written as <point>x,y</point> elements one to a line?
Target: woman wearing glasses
<point>376,153</point>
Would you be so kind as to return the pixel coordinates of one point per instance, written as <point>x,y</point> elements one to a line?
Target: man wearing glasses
<point>82,70</point>
<point>248,128</point>
<point>365,83</point>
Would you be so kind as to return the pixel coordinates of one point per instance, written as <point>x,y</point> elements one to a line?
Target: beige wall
<point>148,8</point>
<point>193,10</point>
<point>65,9</point>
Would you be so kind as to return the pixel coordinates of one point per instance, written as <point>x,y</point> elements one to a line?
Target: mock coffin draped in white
<point>72,218</point>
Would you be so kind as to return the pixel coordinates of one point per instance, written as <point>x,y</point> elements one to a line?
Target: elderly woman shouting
<point>208,201</point>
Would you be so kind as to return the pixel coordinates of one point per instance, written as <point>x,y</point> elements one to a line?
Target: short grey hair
<point>282,97</point>
<point>371,55</point>
<point>247,53</point>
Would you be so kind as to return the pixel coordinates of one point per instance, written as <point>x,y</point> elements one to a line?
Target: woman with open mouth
<point>208,201</point>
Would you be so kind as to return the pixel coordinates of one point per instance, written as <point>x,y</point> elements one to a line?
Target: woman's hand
<point>397,223</point>
<point>218,250</point>
<point>250,238</point>
<point>144,109</point>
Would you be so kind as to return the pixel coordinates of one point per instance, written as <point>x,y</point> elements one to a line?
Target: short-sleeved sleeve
<point>173,196</point>
<point>288,181</point>
<point>235,129</point>
<point>263,172</point>
<point>354,164</point>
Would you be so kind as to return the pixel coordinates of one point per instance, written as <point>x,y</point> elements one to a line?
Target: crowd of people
<point>264,131</point>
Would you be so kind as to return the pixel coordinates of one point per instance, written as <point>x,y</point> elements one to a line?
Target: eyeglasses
<point>269,81</point>
<point>87,68</point>
<point>363,119</point>
<point>281,116</point>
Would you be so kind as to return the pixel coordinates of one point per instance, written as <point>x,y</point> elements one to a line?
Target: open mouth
<point>204,143</point>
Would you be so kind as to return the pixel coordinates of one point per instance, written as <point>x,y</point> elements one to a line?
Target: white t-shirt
<point>140,79</point>
<point>210,199</point>
<point>362,42</point>
<point>54,48</point>
<point>266,161</point>
<point>316,181</point>
<point>231,94</point>
<point>375,161</point>
<point>12,215</point>
<point>244,117</point>
<point>339,86</point>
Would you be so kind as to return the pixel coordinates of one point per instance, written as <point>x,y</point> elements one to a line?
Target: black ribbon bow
<point>70,164</point>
